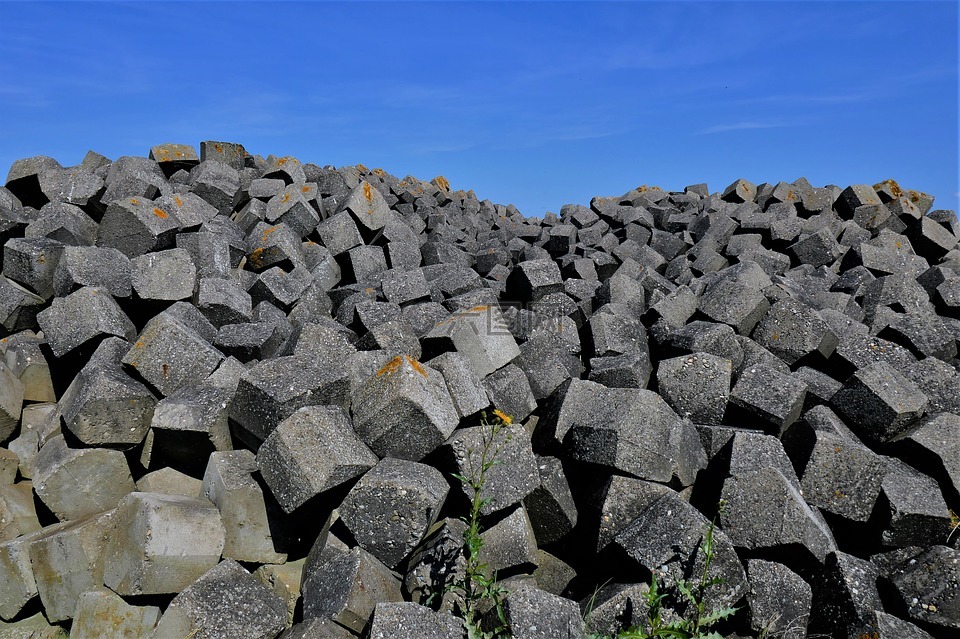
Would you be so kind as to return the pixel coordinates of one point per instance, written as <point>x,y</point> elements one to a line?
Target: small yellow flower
<point>506,419</point>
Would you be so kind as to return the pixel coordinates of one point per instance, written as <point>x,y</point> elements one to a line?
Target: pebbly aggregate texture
<point>240,395</point>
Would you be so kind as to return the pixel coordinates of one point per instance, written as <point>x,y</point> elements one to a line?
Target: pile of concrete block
<point>236,393</point>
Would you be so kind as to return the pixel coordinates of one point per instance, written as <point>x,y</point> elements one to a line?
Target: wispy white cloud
<point>746,125</point>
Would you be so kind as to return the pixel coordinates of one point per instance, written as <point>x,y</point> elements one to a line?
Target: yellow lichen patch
<point>776,336</point>
<point>160,213</point>
<point>267,232</point>
<point>502,416</point>
<point>41,259</point>
<point>282,161</point>
<point>479,309</point>
<point>218,147</point>
<point>368,192</point>
<point>895,189</point>
<point>285,198</point>
<point>391,367</point>
<point>442,183</point>
<point>369,290</point>
<point>306,189</point>
<point>362,169</point>
<point>256,258</point>
<point>134,201</point>
<point>176,198</point>
<point>165,370</point>
<point>415,365</point>
<point>379,172</point>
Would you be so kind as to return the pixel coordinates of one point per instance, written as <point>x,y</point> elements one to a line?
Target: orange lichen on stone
<point>41,259</point>
<point>281,161</point>
<point>416,365</point>
<point>176,198</point>
<point>218,147</point>
<point>391,367</point>
<point>368,192</point>
<point>134,201</point>
<point>306,189</point>
<point>267,232</point>
<point>379,172</point>
<point>256,257</point>
<point>285,198</point>
<point>362,168</point>
<point>442,183</point>
<point>160,213</point>
<point>479,309</point>
<point>895,189</point>
<point>165,369</point>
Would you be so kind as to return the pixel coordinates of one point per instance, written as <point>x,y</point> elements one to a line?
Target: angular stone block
<point>918,514</point>
<point>792,330</point>
<point>161,544</point>
<point>368,207</point>
<point>169,481</point>
<point>926,585</point>
<point>64,223</point>
<point>696,386</point>
<point>102,613</point>
<point>466,389</point>
<point>274,389</point>
<point>550,506</point>
<point>879,403</point>
<point>11,401</point>
<point>348,588</point>
<point>18,514</point>
<point>18,306</point>
<point>225,602</point>
<point>74,483</point>
<point>407,619</point>
<point>773,398</point>
<point>28,363</point>
<point>164,275</point>
<point>404,410</point>
<point>284,580</point>
<point>390,509</point>
<point>291,207</point>
<point>509,545</point>
<point>135,226</point>
<point>845,596</point>
<point>217,183</point>
<point>228,482</point>
<point>736,303</point>
<point>506,483</point>
<point>31,262</point>
<point>223,301</point>
<point>532,280</point>
<point>480,334</point>
<point>84,315</point>
<point>509,389</point>
<point>532,613</point>
<point>169,355</point>
<point>311,451</point>
<point>779,600</point>
<point>17,585</point>
<point>339,233</point>
<point>68,562</point>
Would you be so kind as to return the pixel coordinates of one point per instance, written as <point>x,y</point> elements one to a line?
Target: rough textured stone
<point>879,403</point>
<point>102,613</point>
<point>779,600</point>
<point>82,316</point>
<point>772,398</point>
<point>532,613</point>
<point>696,386</point>
<point>164,275</point>
<point>407,619</point>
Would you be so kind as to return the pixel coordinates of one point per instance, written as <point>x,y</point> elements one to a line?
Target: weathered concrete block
<point>229,153</point>
<point>17,585</point>
<point>64,223</point>
<point>169,355</point>
<point>169,481</point>
<point>135,226</point>
<point>223,301</point>
<point>792,330</point>
<point>480,334</point>
<point>532,280</point>
<point>217,183</point>
<point>247,342</point>
<point>696,386</point>
<point>736,303</point>
<point>9,463</point>
<point>407,619</point>
<point>200,409</point>
<point>208,607</point>
<point>506,483</point>
<point>28,363</point>
<point>84,315</point>
<point>845,596</point>
<point>292,207</point>
<point>274,389</point>
<point>616,333</point>
<point>31,262</point>
<point>98,266</point>
<point>773,398</point>
<point>11,401</point>
<point>550,506</point>
<point>935,446</point>
<point>68,561</point>
<point>466,390</point>
<point>390,509</point>
<point>18,306</point>
<point>917,511</point>
<point>164,275</point>
<point>367,206</point>
<point>311,451</point>
<point>879,403</point>
<point>509,389</point>
<point>38,423</point>
<point>161,543</point>
<point>615,607</point>
<point>404,410</point>
<point>510,544</point>
<point>925,585</point>
<point>18,514</point>
<point>74,483</point>
<point>284,581</point>
<point>102,613</point>
<point>532,613</point>
<point>348,588</point>
<point>923,332</point>
<point>228,482</point>
<point>318,629</point>
<point>708,337</point>
<point>779,600</point>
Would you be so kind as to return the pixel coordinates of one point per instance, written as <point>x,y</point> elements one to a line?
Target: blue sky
<point>538,104</point>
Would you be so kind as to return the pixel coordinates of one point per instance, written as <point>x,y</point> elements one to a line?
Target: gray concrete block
<point>133,177</point>
<point>734,303</point>
<point>193,409</point>
<point>284,581</point>
<point>621,371</point>
<point>190,209</point>
<point>84,315</point>
<point>64,223</point>
<point>228,482</point>
<point>552,574</point>
<point>164,275</point>
<point>403,410</point>
<point>313,450</point>
<point>924,584</point>
<point>169,355</point>
<point>27,362</point>
<point>208,607</point>
<point>103,613</point>
<point>768,395</point>
<point>229,153</point>
<point>779,600</point>
<point>510,544</point>
<point>339,233</point>
<point>922,332</point>
<point>74,483</point>
<point>667,536</point>
<point>506,483</point>
<point>169,481</point>
<point>792,330</point>
<point>531,280</point>
<point>633,431</point>
<point>390,509</point>
<point>845,596</point>
<point>68,562</point>
<point>348,588</point>
<point>936,443</point>
<point>367,206</point>
<point>466,389</point>
<point>212,254</point>
<point>18,306</point>
<point>11,401</point>
<point>292,207</point>
<point>509,390</point>
<point>551,508</point>
<point>38,423</point>
<point>135,226</point>
<point>274,389</point>
<point>740,191</point>
<point>31,262</point>
<point>318,629</point>
<point>395,337</point>
<point>879,403</point>
<point>18,514</point>
<point>617,333</point>
<point>217,183</point>
<point>708,337</point>
<point>532,613</point>
<point>9,463</point>
<point>161,544</point>
<point>696,386</point>
<point>367,263</point>
<point>893,627</point>
<point>412,621</point>
<point>179,154</point>
<point>17,584</point>
<point>223,301</point>
<point>615,607</point>
<point>918,514</point>
<point>402,286</point>
<point>247,342</point>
